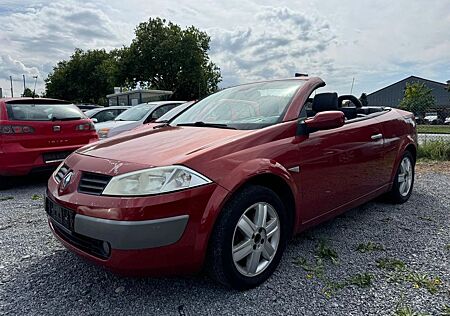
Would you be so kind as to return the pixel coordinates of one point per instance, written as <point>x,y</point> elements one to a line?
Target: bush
<point>434,150</point>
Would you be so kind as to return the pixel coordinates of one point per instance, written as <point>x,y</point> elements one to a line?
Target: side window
<point>106,115</point>
<point>162,110</point>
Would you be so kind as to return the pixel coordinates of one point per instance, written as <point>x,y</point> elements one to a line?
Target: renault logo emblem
<point>57,128</point>
<point>66,180</point>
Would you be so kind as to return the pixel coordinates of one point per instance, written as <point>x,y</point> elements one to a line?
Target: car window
<point>162,110</point>
<point>174,112</point>
<point>248,106</point>
<point>135,113</point>
<point>42,112</point>
<point>106,115</point>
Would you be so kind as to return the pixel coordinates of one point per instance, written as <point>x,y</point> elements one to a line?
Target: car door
<point>339,165</point>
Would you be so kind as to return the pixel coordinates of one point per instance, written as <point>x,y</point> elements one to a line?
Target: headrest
<point>325,102</point>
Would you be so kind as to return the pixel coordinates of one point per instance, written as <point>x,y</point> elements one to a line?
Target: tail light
<point>16,129</point>
<point>85,127</point>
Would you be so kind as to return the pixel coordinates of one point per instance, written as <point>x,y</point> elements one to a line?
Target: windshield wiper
<point>205,124</point>
<point>54,118</point>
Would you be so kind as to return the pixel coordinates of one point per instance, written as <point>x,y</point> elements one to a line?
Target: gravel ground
<point>38,276</point>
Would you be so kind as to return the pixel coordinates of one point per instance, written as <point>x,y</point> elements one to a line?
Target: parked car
<point>432,118</point>
<point>166,118</point>
<point>447,121</point>
<point>86,107</point>
<point>37,134</point>
<point>105,114</point>
<point>229,181</point>
<point>135,116</point>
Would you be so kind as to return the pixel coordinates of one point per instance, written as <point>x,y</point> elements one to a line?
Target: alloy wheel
<point>255,239</point>
<point>405,176</point>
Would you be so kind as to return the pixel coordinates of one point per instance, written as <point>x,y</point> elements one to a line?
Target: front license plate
<point>61,215</point>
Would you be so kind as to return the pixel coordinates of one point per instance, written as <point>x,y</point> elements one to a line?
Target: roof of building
<point>410,77</point>
<point>154,92</point>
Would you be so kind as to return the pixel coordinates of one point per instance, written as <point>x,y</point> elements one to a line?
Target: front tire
<point>249,238</point>
<point>404,180</point>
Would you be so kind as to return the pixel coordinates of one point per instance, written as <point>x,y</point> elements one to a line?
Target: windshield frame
<point>294,84</point>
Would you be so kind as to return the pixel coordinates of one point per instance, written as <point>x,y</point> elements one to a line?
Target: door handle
<point>376,136</point>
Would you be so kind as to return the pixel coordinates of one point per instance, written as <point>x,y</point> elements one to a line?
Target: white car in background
<point>135,116</point>
<point>105,114</point>
<point>447,121</point>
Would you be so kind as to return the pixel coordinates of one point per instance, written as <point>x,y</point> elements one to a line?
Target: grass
<point>391,264</point>
<point>361,280</point>
<point>369,247</point>
<point>6,198</point>
<point>406,311</point>
<point>445,311</point>
<point>433,129</point>
<point>323,251</point>
<point>435,150</point>
<point>35,197</point>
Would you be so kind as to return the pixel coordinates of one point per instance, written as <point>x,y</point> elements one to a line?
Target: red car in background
<point>227,182</point>
<point>37,134</point>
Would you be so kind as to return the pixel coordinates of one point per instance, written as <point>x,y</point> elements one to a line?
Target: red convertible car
<point>230,180</point>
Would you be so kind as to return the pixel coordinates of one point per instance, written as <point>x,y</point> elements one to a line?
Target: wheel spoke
<point>261,215</point>
<point>242,250</point>
<point>253,262</point>
<point>402,187</point>
<point>402,177</point>
<point>271,227</point>
<point>246,226</point>
<point>268,250</point>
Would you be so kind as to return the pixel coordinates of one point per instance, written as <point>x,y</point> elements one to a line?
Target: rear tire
<point>403,180</point>
<point>249,238</point>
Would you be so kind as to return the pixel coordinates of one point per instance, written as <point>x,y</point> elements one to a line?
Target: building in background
<point>392,95</point>
<point>134,97</point>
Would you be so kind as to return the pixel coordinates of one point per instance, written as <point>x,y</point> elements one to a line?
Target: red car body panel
<point>21,154</point>
<point>337,170</point>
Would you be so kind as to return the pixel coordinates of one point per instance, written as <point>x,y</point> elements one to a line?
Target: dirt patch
<point>426,166</point>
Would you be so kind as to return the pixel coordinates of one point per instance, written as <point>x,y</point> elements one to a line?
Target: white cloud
<point>375,42</point>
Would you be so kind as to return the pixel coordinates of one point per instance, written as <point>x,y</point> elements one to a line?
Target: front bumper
<point>149,235</point>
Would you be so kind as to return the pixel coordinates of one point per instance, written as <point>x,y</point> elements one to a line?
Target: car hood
<point>161,146</point>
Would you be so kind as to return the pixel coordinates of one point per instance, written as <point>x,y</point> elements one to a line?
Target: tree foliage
<point>162,56</point>
<point>418,98</point>
<point>28,93</point>
<point>86,77</point>
<point>363,99</point>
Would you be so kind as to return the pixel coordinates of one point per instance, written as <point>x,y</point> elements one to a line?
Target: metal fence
<point>423,138</point>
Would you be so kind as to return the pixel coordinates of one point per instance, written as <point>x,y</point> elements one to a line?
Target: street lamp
<point>34,90</point>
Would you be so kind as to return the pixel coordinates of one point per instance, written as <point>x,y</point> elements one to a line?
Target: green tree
<point>163,56</point>
<point>88,76</point>
<point>363,99</point>
<point>418,98</point>
<point>28,93</point>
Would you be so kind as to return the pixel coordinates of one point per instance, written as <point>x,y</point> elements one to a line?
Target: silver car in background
<point>135,116</point>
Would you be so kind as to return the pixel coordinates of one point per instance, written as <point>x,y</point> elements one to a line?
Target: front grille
<point>55,156</point>
<point>92,246</point>
<point>61,173</point>
<point>93,183</point>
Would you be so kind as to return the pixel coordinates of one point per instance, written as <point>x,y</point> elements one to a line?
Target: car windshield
<point>136,113</point>
<point>43,112</point>
<point>174,112</point>
<point>250,106</point>
<point>90,113</point>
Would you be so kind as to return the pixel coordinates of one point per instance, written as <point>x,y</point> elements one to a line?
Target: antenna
<point>353,82</point>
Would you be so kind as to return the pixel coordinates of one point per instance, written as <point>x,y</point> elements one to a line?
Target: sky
<point>376,43</point>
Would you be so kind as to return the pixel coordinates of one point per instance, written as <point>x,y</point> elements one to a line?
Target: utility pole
<point>34,90</point>
<point>23,85</point>
<point>12,91</point>
<point>353,82</point>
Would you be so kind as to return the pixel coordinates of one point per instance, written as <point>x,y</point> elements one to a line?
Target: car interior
<point>348,104</point>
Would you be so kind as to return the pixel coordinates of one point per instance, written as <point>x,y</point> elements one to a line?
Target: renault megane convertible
<point>228,182</point>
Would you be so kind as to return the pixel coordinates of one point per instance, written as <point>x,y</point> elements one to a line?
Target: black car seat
<point>350,112</point>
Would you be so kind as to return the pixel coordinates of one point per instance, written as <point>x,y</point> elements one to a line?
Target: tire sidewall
<point>235,209</point>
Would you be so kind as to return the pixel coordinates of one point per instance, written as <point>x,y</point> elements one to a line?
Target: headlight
<point>154,181</point>
<point>103,132</point>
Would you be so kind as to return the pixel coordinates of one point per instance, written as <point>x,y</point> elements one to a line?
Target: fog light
<point>106,248</point>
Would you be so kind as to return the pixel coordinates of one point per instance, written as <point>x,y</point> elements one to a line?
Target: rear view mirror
<point>94,120</point>
<point>325,120</point>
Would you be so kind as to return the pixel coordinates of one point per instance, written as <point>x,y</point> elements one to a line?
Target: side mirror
<point>94,120</point>
<point>324,120</point>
